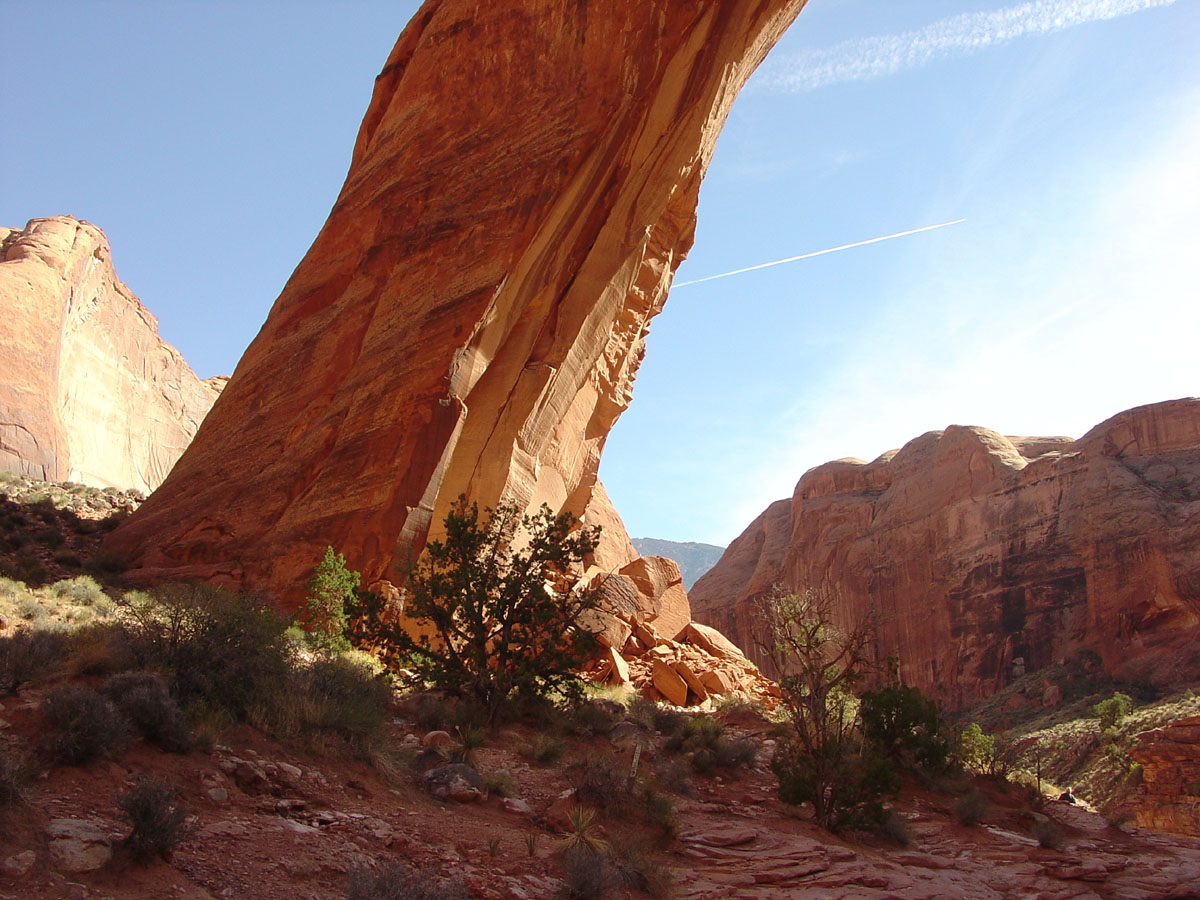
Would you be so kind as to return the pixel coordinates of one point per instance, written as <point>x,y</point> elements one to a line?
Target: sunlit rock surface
<point>983,556</point>
<point>471,317</point>
<point>88,390</point>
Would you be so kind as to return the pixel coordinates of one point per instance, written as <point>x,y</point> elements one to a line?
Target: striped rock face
<point>982,557</point>
<point>88,390</point>
<point>471,317</point>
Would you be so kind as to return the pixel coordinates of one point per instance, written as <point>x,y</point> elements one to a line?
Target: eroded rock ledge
<point>471,317</point>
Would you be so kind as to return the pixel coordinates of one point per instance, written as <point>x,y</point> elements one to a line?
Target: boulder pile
<point>644,624</point>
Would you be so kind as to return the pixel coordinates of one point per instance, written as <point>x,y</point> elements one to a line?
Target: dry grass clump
<point>397,882</point>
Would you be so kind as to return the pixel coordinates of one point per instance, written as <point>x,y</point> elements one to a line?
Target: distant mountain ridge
<point>694,559</point>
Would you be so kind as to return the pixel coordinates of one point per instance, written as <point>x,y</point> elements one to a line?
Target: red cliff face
<point>471,316</point>
<point>982,555</point>
<point>88,390</point>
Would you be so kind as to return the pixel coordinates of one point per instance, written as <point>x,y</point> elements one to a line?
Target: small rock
<point>217,794</point>
<point>458,782</point>
<point>77,845</point>
<point>290,771</point>
<point>226,829</point>
<point>437,740</point>
<point>516,805</point>
<point>18,866</point>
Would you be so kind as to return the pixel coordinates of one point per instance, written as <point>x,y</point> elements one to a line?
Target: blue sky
<point>209,140</point>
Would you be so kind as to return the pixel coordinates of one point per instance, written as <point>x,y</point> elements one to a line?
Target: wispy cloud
<point>886,54</point>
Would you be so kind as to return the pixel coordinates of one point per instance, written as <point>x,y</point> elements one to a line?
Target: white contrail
<point>780,262</point>
<point>874,57</point>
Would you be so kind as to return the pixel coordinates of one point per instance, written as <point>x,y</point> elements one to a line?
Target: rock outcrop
<point>88,390</point>
<point>1169,799</point>
<point>471,316</point>
<point>644,623</point>
<point>983,556</point>
<point>694,558</point>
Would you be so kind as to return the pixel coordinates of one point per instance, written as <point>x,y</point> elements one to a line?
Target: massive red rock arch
<point>471,316</point>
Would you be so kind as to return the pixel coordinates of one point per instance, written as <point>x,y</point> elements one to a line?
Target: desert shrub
<point>658,809</point>
<point>896,829</point>
<point>904,726</point>
<point>735,753</point>
<point>81,725</point>
<point>495,617</point>
<point>220,649</point>
<point>51,537</point>
<point>68,558</point>
<point>353,700</point>
<point>641,711</point>
<point>158,822</point>
<point>145,701</point>
<point>82,590</point>
<point>592,717</point>
<point>543,749</point>
<point>28,568</point>
<point>15,775</point>
<point>105,562</point>
<point>1048,835</point>
<point>396,882</point>
<point>597,782</point>
<point>29,654</point>
<point>501,783</point>
<point>588,875</point>
<point>329,590</point>
<point>99,648</point>
<point>1112,711</point>
<point>674,775</point>
<point>970,807</point>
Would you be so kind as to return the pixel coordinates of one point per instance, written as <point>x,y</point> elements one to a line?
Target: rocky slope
<point>694,558</point>
<point>982,556</point>
<point>471,316</point>
<point>88,390</point>
<point>273,822</point>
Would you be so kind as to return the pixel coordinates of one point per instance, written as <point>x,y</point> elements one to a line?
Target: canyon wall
<point>982,556</point>
<point>471,316</point>
<point>88,390</point>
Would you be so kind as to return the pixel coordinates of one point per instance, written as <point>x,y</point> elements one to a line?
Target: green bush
<point>218,649</point>
<point>330,589</point>
<point>1111,712</point>
<point>905,727</point>
<point>976,749</point>
<point>81,725</point>
<point>158,823</point>
<point>495,616</point>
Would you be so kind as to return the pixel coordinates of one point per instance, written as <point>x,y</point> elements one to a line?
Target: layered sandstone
<point>983,556</point>
<point>1169,799</point>
<point>88,390</point>
<point>471,316</point>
